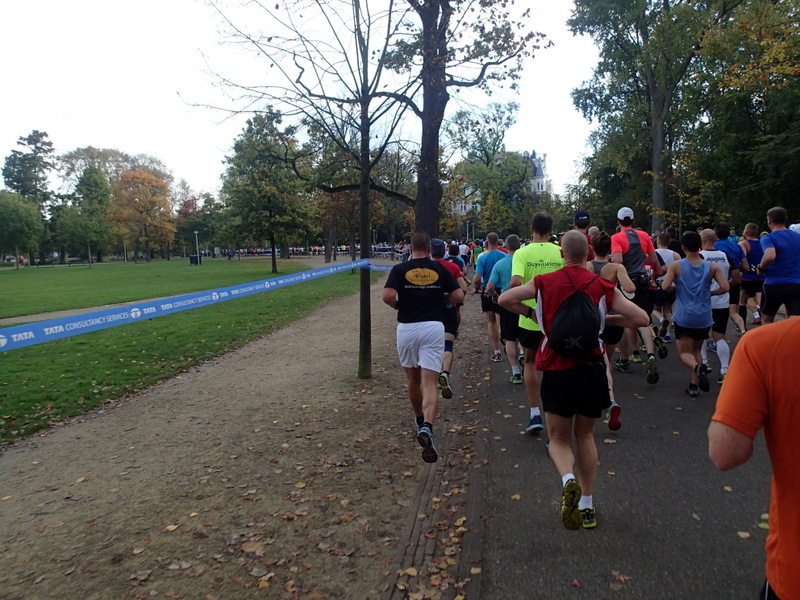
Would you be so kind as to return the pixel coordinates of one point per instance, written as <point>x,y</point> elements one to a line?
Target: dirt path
<point>271,472</point>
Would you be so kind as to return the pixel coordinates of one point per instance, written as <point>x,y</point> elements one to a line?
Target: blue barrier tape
<point>30,334</point>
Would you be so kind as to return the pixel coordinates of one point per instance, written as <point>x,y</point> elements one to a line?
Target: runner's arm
<point>716,275</point>
<point>625,280</point>
<point>653,257</point>
<point>727,447</point>
<point>673,272</point>
<point>512,299</point>
<point>390,296</point>
<point>767,259</point>
<point>628,314</point>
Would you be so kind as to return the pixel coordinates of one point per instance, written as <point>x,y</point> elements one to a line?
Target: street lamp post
<point>197,246</point>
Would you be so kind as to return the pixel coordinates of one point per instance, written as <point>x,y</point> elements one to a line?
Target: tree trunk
<point>657,166</point>
<point>274,253</point>
<point>89,253</point>
<point>365,311</point>
<point>434,101</point>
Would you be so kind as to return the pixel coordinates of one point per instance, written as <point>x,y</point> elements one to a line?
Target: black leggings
<point>767,593</point>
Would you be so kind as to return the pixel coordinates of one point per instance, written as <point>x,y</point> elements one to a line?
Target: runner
<point>612,334</point>
<point>691,278</point>
<point>417,289</point>
<point>752,280</point>
<point>536,258</point>
<point>574,390</point>
<point>451,316</point>
<point>483,270</point>
<point>662,305</point>
<point>781,267</point>
<point>720,312</point>
<point>631,247</point>
<point>738,262</point>
<point>509,322</point>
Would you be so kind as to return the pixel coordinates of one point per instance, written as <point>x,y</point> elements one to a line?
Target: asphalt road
<point>669,524</point>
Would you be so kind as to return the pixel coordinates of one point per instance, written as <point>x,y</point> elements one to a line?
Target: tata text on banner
<point>31,334</point>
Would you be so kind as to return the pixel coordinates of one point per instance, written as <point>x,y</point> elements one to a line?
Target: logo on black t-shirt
<point>422,277</point>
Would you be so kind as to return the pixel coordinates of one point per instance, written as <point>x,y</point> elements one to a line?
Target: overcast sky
<point>123,75</point>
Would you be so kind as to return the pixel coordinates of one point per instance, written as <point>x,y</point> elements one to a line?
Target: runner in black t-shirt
<point>419,289</point>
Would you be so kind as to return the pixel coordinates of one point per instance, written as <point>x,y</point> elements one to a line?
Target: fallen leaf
<point>576,584</point>
<point>475,570</point>
<point>727,488</point>
<point>80,479</point>
<point>138,550</point>
<point>695,516</point>
<point>300,484</point>
<point>171,527</point>
<point>253,547</point>
<point>609,441</point>
<point>516,497</point>
<point>410,571</point>
<point>745,535</point>
<point>763,525</point>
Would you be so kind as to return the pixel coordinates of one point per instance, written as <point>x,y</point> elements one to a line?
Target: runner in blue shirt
<point>739,264</point>
<point>781,267</point>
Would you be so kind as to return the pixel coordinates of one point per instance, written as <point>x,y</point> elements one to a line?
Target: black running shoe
<point>425,439</point>
<point>702,377</point>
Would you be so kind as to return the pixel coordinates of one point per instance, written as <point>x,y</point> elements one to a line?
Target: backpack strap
<point>572,283</point>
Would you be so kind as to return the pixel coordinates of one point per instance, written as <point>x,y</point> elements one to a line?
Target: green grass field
<point>48,383</point>
<point>35,290</point>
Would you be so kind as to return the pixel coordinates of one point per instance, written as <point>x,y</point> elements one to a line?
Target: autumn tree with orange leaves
<point>141,210</point>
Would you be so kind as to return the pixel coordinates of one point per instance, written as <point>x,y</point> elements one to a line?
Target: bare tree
<point>327,68</point>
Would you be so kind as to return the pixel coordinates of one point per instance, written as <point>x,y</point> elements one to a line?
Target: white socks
<point>724,354</point>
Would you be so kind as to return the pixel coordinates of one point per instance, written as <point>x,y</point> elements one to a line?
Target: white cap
<point>624,213</point>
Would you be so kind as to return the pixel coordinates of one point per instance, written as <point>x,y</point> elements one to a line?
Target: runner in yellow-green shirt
<point>536,258</point>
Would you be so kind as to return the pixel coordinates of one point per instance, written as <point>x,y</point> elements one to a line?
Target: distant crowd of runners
<point>560,309</point>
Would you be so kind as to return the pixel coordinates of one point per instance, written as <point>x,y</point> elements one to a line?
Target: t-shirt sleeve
<point>517,265</point>
<point>647,243</point>
<point>766,242</point>
<point>616,243</point>
<point>479,263</point>
<point>393,280</point>
<point>742,401</point>
<point>449,282</point>
<point>495,276</point>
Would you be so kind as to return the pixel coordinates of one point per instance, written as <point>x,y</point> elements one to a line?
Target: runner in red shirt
<point>574,391</point>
